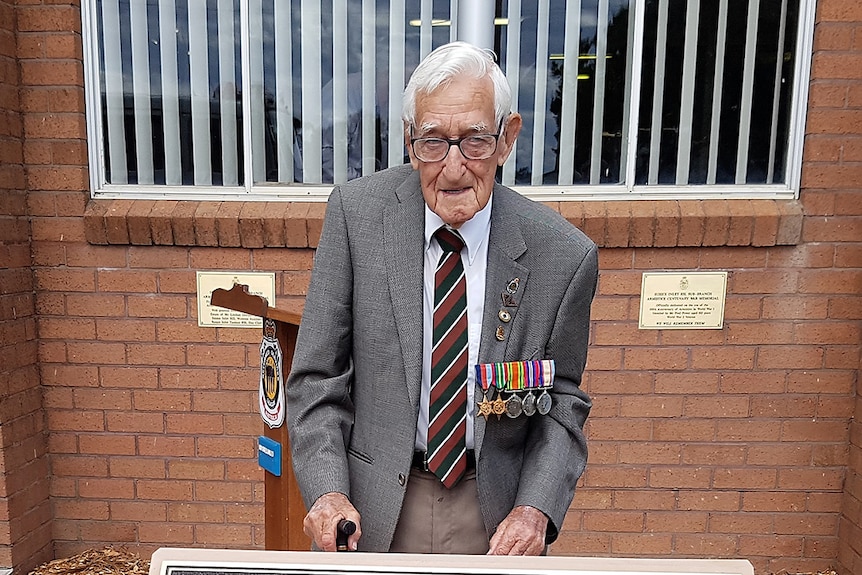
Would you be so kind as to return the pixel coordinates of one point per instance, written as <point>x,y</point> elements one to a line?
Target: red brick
<point>92,510</point>
<point>170,534</point>
<point>134,281</point>
<point>166,446</point>
<point>227,224</point>
<point>655,358</point>
<point>748,430</point>
<point>160,259</point>
<point>227,447</point>
<point>736,523</point>
<point>111,444</point>
<point>705,545</point>
<point>106,488</point>
<point>129,377</point>
<point>795,307</point>
<point>684,430</point>
<point>209,534</point>
<point>713,500</point>
<point>195,423</point>
<point>202,470</point>
<point>140,511</point>
<point>616,477</point>
<point>155,354</point>
<point>125,330</point>
<point>643,544</point>
<point>195,512</point>
<point>137,468</point>
<point>135,422</point>
<point>773,501</point>
<point>223,491</point>
<point>108,399</point>
<point>789,357</point>
<point>192,378</point>
<point>745,478</point>
<point>169,490</point>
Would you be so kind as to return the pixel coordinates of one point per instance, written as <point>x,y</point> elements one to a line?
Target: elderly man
<point>435,394</point>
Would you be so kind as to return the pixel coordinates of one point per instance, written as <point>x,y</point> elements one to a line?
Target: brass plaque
<point>682,300</point>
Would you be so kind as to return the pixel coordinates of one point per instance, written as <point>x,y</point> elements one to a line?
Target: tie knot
<point>449,239</point>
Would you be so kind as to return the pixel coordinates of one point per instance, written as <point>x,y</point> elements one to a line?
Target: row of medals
<point>513,406</point>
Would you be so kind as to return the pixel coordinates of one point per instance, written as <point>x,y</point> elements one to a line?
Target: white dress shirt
<point>474,256</point>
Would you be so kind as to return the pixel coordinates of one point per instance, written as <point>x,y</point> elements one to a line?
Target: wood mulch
<point>107,561</point>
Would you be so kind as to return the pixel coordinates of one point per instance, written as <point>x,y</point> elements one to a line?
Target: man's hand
<point>321,522</point>
<point>522,532</point>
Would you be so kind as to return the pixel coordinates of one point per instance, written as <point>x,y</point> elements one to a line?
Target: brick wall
<point>25,513</point>
<point>729,443</point>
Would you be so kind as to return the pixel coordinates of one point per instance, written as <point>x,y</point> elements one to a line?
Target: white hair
<point>448,61</point>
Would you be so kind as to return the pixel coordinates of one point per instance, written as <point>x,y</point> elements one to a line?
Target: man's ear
<point>510,134</point>
<point>413,161</point>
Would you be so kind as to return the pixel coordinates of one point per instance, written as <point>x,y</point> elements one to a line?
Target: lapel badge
<point>500,333</point>
<point>512,286</point>
<point>504,316</point>
<point>508,300</point>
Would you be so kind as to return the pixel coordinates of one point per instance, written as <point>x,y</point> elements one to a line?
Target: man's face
<point>456,188</point>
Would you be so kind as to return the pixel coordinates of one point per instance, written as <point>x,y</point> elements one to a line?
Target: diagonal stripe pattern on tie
<point>447,426</point>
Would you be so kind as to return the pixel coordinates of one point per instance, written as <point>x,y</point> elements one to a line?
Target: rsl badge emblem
<point>271,391</point>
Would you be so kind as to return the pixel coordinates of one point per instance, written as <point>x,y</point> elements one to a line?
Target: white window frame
<point>304,192</point>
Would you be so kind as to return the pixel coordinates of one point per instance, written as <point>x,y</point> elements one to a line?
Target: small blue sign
<point>269,455</point>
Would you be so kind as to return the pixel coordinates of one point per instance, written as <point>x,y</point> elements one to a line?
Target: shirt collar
<point>474,231</point>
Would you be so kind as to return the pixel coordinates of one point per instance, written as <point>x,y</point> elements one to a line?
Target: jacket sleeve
<point>556,452</point>
<point>319,408</point>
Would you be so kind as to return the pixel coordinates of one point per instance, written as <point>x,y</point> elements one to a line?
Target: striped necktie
<point>447,426</point>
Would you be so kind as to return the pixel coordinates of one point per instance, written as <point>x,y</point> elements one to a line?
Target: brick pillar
<point>25,511</point>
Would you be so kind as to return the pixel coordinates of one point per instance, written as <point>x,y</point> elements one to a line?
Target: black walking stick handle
<point>345,529</point>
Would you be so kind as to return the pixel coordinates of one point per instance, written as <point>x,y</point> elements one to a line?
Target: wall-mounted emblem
<point>271,392</point>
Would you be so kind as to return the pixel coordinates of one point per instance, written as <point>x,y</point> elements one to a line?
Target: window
<point>283,98</point>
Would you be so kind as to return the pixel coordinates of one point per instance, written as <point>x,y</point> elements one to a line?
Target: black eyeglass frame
<point>457,142</point>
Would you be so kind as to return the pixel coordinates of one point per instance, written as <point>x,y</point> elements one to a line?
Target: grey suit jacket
<point>353,392</point>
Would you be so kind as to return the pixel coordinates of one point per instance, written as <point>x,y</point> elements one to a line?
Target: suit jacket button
<point>402,479</point>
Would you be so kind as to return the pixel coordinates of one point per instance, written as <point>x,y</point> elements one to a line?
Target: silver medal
<point>513,406</point>
<point>543,404</point>
<point>529,404</point>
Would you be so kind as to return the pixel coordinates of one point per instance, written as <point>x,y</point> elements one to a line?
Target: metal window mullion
<point>284,89</point>
<point>634,94</point>
<point>799,106</point>
<point>599,99</point>
<point>114,92</point>
<point>369,87</point>
<point>453,21</point>
<point>312,169</point>
<point>541,94</point>
<point>227,93</point>
<point>568,113</point>
<point>339,90</point>
<point>747,92</point>
<point>776,93</point>
<point>658,93</point>
<point>92,91</point>
<point>425,21</point>
<point>396,81</point>
<point>717,88</point>
<point>513,71</point>
<point>200,98</point>
<point>686,113</point>
<point>141,92</point>
<point>249,144</point>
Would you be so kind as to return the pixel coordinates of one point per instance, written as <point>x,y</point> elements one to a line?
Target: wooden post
<point>284,509</point>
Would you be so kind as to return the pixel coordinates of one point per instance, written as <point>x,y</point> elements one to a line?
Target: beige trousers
<point>439,520</point>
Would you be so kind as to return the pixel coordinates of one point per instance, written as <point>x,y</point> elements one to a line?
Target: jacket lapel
<point>505,245</point>
<point>403,239</point>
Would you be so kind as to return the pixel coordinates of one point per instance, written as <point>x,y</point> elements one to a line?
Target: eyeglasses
<point>475,147</point>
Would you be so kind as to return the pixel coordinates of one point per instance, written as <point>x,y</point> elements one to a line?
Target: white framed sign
<point>172,561</point>
<point>682,300</point>
<point>259,283</point>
